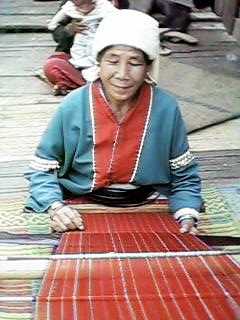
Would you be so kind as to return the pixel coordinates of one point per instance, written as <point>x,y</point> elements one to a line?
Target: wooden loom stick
<point>123,255</point>
<point>18,299</point>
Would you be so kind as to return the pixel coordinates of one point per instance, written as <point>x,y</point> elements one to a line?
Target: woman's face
<point>122,72</point>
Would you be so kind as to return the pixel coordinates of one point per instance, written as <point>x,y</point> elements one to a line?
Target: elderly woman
<point>119,138</point>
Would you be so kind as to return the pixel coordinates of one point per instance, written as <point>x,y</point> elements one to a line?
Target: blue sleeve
<point>42,175</point>
<point>185,180</point>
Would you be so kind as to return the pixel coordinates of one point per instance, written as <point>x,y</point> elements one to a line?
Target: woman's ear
<point>153,71</point>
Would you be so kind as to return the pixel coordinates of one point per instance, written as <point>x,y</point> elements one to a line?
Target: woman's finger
<point>75,218</point>
<point>187,226</point>
<point>63,218</point>
<point>193,231</point>
<point>56,226</point>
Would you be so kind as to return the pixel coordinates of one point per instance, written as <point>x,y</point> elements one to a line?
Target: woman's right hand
<point>76,27</point>
<point>66,218</point>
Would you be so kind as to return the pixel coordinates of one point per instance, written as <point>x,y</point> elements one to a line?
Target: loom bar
<point>17,299</point>
<point>123,255</point>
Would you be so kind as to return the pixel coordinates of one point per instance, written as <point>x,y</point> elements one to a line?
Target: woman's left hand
<point>188,226</point>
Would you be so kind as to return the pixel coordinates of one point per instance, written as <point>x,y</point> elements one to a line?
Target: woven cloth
<point>170,288</point>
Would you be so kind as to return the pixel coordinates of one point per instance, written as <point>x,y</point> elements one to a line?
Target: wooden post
<point>229,14</point>
<point>236,30</point>
<point>219,7</point>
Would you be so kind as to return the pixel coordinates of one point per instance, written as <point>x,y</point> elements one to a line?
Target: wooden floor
<point>26,103</point>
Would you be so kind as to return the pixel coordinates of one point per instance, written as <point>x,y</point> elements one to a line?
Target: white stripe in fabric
<point>41,164</point>
<point>180,313</point>
<point>135,287</point>
<point>57,266</point>
<point>75,289</point>
<point>190,280</point>
<point>181,161</point>
<point>209,287</point>
<point>235,263</point>
<point>65,277</point>
<point>171,293</point>
<point>143,137</point>
<point>113,280</point>
<point>195,289</point>
<point>155,282</point>
<point>90,289</point>
<point>234,304</point>
<point>130,307</point>
<point>120,311</point>
<point>93,134</point>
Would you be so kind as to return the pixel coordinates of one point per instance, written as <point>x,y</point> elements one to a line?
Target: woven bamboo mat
<point>18,287</point>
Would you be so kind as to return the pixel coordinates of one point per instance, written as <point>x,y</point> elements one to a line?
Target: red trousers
<point>59,71</point>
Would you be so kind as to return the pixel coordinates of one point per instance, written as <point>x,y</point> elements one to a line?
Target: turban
<point>130,28</point>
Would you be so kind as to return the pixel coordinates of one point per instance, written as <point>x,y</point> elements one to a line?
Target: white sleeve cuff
<point>56,204</point>
<point>179,215</point>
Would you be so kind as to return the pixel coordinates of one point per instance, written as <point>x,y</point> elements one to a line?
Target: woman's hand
<point>188,225</point>
<point>76,27</point>
<point>66,218</point>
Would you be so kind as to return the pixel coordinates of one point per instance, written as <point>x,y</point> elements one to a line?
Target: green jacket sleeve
<point>44,187</point>
<point>185,180</point>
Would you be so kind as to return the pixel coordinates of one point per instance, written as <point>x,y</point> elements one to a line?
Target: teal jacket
<point>64,159</point>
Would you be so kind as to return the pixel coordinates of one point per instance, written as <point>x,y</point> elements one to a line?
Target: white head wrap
<point>130,28</point>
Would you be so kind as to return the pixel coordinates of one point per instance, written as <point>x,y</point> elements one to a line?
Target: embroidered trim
<point>41,164</point>
<point>144,135</point>
<point>181,161</point>
<point>93,134</point>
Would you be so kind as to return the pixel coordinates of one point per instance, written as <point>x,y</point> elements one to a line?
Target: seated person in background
<point>177,17</point>
<point>202,4</point>
<point>173,14</point>
<point>67,72</point>
<point>119,138</point>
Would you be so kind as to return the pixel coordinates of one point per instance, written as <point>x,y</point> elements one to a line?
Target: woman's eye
<point>136,64</point>
<point>112,61</point>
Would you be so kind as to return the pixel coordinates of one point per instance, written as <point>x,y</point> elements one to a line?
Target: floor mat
<point>205,98</point>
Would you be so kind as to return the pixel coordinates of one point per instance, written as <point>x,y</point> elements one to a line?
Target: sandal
<point>164,51</point>
<point>176,36</point>
<point>57,91</point>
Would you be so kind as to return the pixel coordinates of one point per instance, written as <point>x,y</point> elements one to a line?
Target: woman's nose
<point>122,70</point>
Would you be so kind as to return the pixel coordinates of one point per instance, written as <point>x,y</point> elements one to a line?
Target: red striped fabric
<point>171,288</point>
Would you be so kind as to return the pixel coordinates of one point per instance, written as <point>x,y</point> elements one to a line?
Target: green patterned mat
<point>222,217</point>
<point>13,310</point>
<point>13,220</point>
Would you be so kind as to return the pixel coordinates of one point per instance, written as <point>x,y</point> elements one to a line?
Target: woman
<point>120,129</point>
